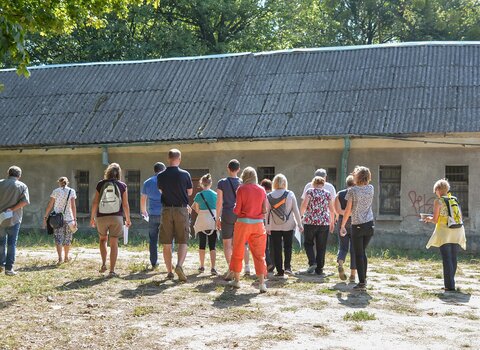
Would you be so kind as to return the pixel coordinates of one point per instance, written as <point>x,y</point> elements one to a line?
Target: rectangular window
<point>332,177</point>
<point>457,176</point>
<point>390,178</point>
<point>132,178</point>
<point>82,178</point>
<point>265,172</point>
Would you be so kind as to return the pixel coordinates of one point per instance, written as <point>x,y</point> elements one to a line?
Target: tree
<point>439,20</point>
<point>23,18</point>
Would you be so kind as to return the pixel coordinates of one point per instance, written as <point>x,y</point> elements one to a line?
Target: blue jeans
<point>153,231</point>
<point>8,245</point>
<point>449,259</point>
<point>345,243</point>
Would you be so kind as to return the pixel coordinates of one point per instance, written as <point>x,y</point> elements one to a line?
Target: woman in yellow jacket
<point>448,239</point>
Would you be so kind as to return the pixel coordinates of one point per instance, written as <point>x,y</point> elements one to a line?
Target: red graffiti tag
<point>421,203</point>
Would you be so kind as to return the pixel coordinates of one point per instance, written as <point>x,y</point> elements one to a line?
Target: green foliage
<point>358,316</point>
<point>21,19</point>
<point>66,31</point>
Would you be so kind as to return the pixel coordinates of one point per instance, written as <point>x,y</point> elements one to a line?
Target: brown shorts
<point>175,224</point>
<point>111,225</point>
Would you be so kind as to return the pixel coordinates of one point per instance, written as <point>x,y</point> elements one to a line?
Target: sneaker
<point>234,284</point>
<point>263,288</point>
<point>170,276</point>
<point>341,273</point>
<point>246,270</point>
<point>201,269</point>
<point>10,272</point>
<point>280,276</point>
<point>319,271</point>
<point>270,268</point>
<point>288,272</point>
<point>155,267</point>
<point>228,276</point>
<point>351,279</point>
<point>311,269</point>
<point>213,272</point>
<point>361,287</point>
<point>181,274</point>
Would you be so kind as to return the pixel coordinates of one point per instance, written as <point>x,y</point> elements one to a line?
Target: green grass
<point>359,316</point>
<point>140,311</point>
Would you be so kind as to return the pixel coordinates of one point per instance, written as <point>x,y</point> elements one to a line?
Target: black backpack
<point>279,208</point>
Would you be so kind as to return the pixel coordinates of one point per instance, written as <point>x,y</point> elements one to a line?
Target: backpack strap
<point>208,207</point>
<point>233,188</point>
<point>68,196</point>
<point>447,205</point>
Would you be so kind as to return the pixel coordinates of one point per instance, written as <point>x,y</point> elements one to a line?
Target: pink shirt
<point>250,198</point>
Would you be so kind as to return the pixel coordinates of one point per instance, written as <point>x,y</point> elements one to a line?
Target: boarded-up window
<point>457,176</point>
<point>265,172</point>
<point>82,179</point>
<point>390,178</point>
<point>132,178</point>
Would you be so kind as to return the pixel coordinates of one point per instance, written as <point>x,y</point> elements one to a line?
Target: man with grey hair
<point>153,215</point>
<point>327,187</point>
<point>13,197</point>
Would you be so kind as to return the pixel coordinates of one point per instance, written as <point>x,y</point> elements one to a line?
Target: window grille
<point>390,179</point>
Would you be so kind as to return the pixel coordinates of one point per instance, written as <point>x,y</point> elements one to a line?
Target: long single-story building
<point>410,112</point>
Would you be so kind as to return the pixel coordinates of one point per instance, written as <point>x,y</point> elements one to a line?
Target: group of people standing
<point>250,218</point>
<point>253,219</point>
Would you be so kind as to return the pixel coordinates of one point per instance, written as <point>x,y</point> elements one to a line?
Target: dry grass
<point>74,307</point>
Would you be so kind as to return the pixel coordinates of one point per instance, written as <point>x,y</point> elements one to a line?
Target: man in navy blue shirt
<point>151,193</point>
<point>176,186</point>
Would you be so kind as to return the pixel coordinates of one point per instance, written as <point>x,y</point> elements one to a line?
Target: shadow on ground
<point>231,297</point>
<point>354,299</point>
<point>82,283</point>
<point>35,268</point>
<point>454,297</point>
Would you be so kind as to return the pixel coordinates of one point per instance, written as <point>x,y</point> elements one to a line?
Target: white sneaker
<point>10,272</point>
<point>234,284</point>
<point>311,269</point>
<point>263,288</point>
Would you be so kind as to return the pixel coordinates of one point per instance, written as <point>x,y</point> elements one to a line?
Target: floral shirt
<point>60,195</point>
<point>318,211</point>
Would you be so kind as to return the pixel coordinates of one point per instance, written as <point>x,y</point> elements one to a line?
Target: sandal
<point>112,274</point>
<point>341,273</point>
<point>103,269</point>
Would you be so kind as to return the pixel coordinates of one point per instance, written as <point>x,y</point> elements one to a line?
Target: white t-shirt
<point>60,195</point>
<point>327,187</point>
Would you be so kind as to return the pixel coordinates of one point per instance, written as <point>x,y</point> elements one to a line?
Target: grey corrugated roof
<point>416,88</point>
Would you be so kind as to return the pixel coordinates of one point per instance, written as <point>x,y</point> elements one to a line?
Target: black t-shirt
<point>174,183</point>
<point>343,204</point>
<point>341,198</point>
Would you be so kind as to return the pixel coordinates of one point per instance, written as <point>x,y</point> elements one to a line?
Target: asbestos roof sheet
<point>377,90</point>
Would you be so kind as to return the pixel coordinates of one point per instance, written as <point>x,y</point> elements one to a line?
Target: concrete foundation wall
<point>421,166</point>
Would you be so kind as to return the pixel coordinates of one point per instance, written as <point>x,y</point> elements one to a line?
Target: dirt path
<point>74,307</point>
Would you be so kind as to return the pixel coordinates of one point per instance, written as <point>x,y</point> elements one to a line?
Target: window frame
<point>382,198</point>
<point>265,175</point>
<point>134,189</point>
<point>83,191</point>
<point>461,194</point>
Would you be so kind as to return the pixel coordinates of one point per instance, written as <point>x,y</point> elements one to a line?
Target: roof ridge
<point>256,54</point>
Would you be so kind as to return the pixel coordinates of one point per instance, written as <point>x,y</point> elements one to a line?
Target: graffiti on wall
<point>420,203</point>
